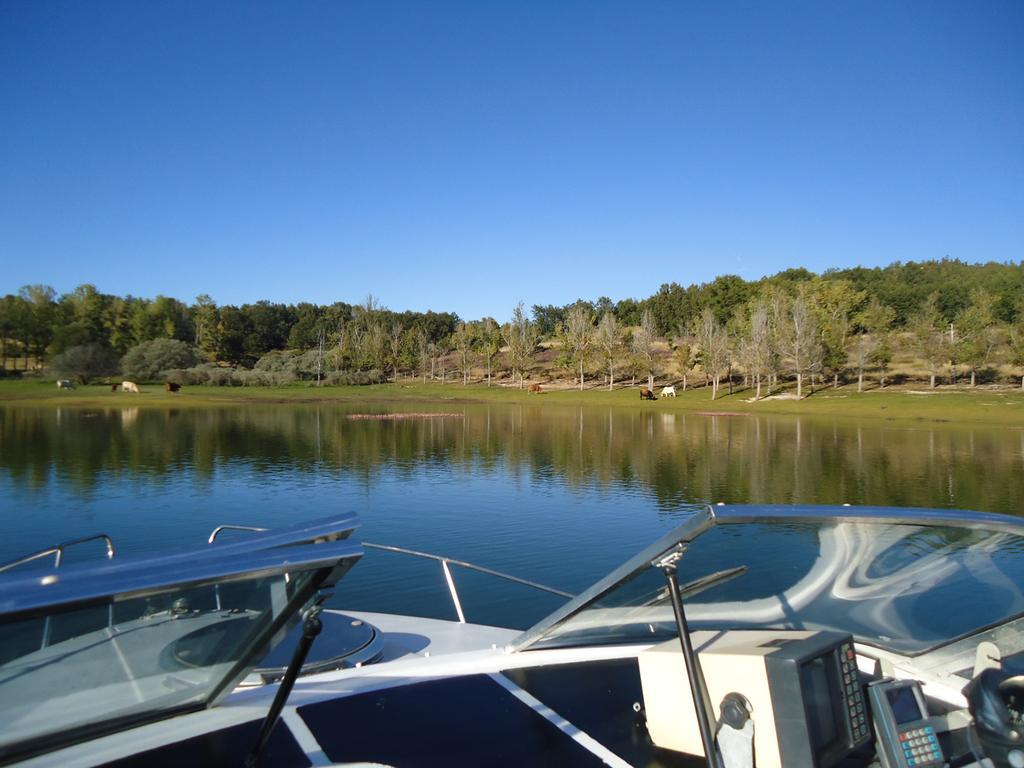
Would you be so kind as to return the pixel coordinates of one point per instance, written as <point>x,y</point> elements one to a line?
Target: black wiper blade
<point>697,586</point>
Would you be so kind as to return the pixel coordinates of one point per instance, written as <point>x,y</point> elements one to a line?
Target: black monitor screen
<point>822,694</point>
<point>903,704</point>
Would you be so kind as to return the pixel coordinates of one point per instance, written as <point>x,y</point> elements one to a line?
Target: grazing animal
<point>113,387</point>
<point>65,384</point>
<point>668,391</point>
<point>171,386</point>
<point>129,386</point>
<point>535,389</point>
<point>646,394</point>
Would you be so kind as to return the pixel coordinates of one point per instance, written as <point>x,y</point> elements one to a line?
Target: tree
<point>834,302</point>
<point>714,346</point>
<point>521,338</point>
<point>800,339</point>
<point>489,339</point>
<point>395,346</point>
<point>609,342</point>
<point>682,353</point>
<point>577,336</point>
<point>147,361</point>
<point>979,335</point>
<point>1017,347</point>
<point>758,343</point>
<point>85,363</point>
<point>462,341</point>
<point>206,319</point>
<point>644,339</point>
<point>422,343</point>
<point>929,334</point>
<point>876,319</point>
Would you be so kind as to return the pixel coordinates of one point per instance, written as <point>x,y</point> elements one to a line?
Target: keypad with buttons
<point>921,747</point>
<point>854,695</point>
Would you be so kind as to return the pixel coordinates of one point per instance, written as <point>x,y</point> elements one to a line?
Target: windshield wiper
<point>697,586</point>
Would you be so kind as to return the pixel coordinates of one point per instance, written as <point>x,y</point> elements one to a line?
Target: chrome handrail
<point>58,552</point>
<point>219,528</point>
<point>446,561</point>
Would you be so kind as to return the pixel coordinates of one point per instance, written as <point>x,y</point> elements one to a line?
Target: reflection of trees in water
<point>679,458</point>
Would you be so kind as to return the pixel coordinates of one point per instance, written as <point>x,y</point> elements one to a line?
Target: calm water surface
<point>557,494</point>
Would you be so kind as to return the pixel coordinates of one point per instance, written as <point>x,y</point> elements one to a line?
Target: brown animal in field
<point>646,394</point>
<point>171,386</point>
<point>113,387</point>
<point>535,389</point>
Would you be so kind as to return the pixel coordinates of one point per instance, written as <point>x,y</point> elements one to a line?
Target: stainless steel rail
<point>446,561</point>
<point>219,528</point>
<point>58,552</point>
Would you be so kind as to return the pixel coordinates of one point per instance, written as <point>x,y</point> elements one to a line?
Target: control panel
<point>904,734</point>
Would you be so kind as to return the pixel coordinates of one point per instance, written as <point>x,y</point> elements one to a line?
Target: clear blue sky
<point>465,156</point>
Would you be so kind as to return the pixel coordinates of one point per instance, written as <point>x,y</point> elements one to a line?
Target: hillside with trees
<point>939,322</point>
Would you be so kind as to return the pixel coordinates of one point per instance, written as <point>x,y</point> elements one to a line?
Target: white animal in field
<point>668,391</point>
<point>129,386</point>
<point>65,384</point>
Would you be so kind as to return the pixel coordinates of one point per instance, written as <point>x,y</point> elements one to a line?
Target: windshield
<point>160,652</point>
<point>91,648</point>
<point>896,584</point>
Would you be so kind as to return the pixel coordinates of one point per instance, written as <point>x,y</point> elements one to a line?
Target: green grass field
<point>960,405</point>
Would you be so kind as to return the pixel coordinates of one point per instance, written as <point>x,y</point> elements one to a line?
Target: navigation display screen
<point>904,705</point>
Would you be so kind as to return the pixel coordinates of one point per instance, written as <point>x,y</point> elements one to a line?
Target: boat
<point>825,637</point>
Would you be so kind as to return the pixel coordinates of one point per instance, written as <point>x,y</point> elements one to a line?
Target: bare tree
<point>801,343</point>
<point>521,337</point>
<point>643,346</point>
<point>759,343</point>
<point>395,346</point>
<point>462,340</point>
<point>422,344</point>
<point>321,342</point>
<point>577,335</point>
<point>490,343</point>
<point>714,347</point>
<point>609,342</point>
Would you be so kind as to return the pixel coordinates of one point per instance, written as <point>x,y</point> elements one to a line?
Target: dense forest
<point>954,319</point>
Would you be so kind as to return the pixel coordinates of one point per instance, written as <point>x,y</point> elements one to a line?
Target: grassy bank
<point>960,405</point>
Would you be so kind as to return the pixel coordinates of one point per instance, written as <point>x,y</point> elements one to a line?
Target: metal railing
<point>58,553</point>
<point>447,561</point>
<point>219,528</point>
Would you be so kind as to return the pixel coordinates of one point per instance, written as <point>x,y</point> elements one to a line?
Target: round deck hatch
<point>344,642</point>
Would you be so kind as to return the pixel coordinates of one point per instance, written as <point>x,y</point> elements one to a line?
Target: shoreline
<point>980,405</point>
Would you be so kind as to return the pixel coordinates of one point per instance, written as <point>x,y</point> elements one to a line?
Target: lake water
<point>557,494</point>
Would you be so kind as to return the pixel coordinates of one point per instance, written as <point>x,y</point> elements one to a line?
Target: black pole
<point>698,688</point>
<point>311,626</point>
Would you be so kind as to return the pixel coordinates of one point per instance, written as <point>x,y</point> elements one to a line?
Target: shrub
<point>301,365</point>
<point>84,363</point>
<point>350,378</point>
<point>207,373</point>
<point>148,361</point>
<point>277,361</point>
<point>262,378</point>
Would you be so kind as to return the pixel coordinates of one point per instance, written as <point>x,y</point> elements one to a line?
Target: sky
<point>465,156</point>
